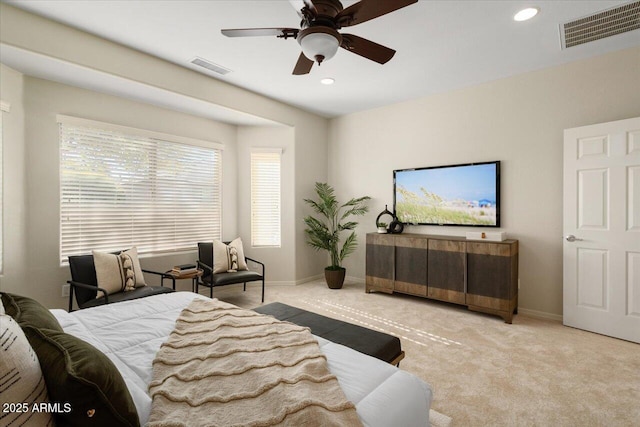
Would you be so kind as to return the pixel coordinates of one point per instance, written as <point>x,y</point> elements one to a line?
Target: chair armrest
<point>163,275</point>
<point>204,267</point>
<point>91,287</point>
<point>256,261</point>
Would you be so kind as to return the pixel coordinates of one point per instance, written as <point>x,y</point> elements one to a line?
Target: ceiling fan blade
<point>303,66</point>
<point>366,48</point>
<point>299,5</point>
<point>366,10</point>
<point>254,32</point>
<point>312,8</point>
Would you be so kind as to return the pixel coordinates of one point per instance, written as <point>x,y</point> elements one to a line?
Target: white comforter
<point>131,332</point>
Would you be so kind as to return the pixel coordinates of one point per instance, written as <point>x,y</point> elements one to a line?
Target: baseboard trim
<point>354,279</point>
<point>351,279</point>
<point>309,279</point>
<point>295,282</point>
<point>540,314</point>
<point>280,283</point>
<point>287,282</point>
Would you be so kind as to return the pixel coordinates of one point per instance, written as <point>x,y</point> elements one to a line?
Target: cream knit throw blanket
<point>226,366</point>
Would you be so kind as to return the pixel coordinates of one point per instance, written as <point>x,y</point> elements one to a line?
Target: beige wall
<point>311,167</point>
<point>519,121</point>
<point>14,203</point>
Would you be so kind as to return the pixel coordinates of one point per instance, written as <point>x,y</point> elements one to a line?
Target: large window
<point>123,187</point>
<point>265,196</point>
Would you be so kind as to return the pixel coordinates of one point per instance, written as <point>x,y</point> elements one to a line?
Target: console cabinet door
<point>492,276</point>
<point>446,270</point>
<point>380,262</point>
<point>411,265</point>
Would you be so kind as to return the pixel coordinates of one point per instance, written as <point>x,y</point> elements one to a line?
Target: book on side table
<point>183,269</point>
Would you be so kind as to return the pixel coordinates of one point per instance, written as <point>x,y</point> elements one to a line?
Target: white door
<point>602,228</point>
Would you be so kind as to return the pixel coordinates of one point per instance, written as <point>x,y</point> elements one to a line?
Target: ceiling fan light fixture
<point>327,81</point>
<point>319,43</point>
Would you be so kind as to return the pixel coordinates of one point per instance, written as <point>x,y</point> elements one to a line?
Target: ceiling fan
<point>318,35</point>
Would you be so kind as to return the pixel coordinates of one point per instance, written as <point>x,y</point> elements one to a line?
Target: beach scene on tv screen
<point>464,195</point>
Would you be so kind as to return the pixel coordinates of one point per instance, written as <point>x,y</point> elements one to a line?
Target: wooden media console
<point>482,275</point>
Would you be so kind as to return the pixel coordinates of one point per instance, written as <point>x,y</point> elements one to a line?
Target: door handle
<point>572,238</point>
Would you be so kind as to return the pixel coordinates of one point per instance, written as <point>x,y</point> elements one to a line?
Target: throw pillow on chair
<point>117,273</point>
<point>228,258</point>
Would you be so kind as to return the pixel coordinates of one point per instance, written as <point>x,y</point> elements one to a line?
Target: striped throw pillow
<point>118,273</point>
<point>22,385</point>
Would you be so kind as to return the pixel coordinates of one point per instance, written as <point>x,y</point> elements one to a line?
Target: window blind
<point>265,197</point>
<point>119,189</point>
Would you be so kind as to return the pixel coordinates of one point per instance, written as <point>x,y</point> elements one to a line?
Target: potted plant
<point>323,233</point>
<point>382,227</point>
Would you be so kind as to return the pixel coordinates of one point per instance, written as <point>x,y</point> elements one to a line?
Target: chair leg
<point>263,289</point>
<point>211,292</point>
<point>70,298</point>
<point>244,287</point>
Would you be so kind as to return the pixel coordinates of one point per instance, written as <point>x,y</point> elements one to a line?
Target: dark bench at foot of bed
<point>377,344</point>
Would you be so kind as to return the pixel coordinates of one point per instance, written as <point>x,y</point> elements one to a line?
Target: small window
<point>265,197</point>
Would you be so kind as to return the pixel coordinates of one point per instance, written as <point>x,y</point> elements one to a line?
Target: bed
<point>130,334</point>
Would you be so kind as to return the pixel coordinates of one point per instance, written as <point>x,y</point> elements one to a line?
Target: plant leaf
<point>357,205</point>
<point>348,225</point>
<point>350,245</point>
<point>356,201</point>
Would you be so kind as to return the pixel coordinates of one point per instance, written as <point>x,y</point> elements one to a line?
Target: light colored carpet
<point>483,371</point>
<point>436,419</point>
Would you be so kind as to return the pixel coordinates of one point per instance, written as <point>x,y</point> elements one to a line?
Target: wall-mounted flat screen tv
<point>466,195</point>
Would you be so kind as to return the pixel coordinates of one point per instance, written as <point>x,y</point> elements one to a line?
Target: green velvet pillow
<point>29,312</point>
<point>78,373</point>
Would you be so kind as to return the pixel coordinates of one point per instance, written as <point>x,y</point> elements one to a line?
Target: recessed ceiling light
<point>327,81</point>
<point>526,14</point>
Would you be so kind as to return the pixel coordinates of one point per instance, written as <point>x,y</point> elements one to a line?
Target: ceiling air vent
<point>218,69</point>
<point>601,25</point>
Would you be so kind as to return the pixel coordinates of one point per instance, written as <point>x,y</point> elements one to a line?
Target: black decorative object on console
<point>396,227</point>
<point>393,226</point>
<point>382,225</point>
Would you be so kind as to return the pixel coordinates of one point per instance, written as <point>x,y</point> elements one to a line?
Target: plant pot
<point>382,230</point>
<point>334,278</point>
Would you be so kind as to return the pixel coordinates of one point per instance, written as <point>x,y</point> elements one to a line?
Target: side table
<point>173,276</point>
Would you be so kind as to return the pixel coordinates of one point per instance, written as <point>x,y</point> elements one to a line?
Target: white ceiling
<point>441,45</point>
